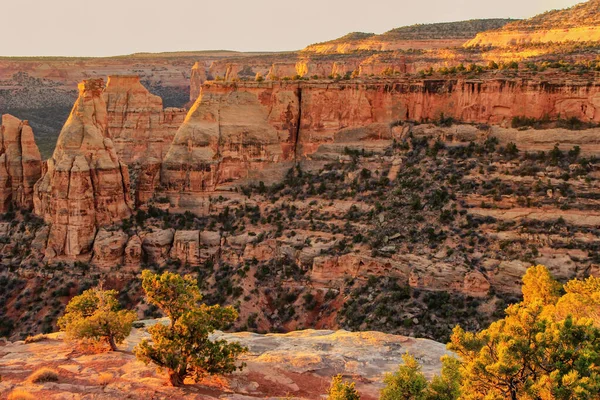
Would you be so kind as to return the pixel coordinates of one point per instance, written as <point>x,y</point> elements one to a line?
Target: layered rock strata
<point>20,164</point>
<point>86,186</point>
<point>139,127</point>
<point>244,131</point>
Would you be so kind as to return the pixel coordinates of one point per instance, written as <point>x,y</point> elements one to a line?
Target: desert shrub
<point>36,338</point>
<point>104,378</point>
<point>183,347</point>
<point>340,390</point>
<point>43,375</point>
<point>95,316</point>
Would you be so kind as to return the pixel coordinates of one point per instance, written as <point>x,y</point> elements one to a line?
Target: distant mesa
<point>420,36</point>
<point>580,23</point>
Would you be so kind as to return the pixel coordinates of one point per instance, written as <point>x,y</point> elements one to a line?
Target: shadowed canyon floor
<point>294,365</point>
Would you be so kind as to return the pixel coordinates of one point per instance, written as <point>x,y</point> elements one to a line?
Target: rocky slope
<point>580,23</point>
<point>85,185</point>
<point>298,364</point>
<point>20,164</point>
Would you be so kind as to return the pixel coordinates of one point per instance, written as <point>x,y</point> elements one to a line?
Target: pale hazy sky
<point>114,27</point>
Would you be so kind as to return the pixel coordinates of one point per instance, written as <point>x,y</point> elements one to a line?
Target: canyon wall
<point>20,164</point>
<point>242,130</point>
<point>85,186</point>
<point>141,130</point>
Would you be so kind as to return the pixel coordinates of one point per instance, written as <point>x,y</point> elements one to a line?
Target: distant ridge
<point>446,33</point>
<point>580,23</point>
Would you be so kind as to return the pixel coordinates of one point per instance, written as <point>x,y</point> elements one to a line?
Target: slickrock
<point>299,364</point>
<point>20,164</point>
<point>139,127</point>
<point>576,24</point>
<point>85,186</point>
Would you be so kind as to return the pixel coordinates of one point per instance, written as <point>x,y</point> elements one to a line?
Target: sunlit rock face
<point>138,125</point>
<point>85,186</point>
<point>250,131</point>
<point>20,164</point>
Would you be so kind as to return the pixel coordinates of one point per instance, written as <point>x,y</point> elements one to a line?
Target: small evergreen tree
<point>95,315</point>
<point>183,348</point>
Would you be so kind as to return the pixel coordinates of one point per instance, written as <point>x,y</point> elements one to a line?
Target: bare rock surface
<point>297,364</point>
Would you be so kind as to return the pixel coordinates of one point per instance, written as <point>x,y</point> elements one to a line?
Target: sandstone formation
<point>109,248</point>
<point>156,245</point>
<point>186,247</point>
<point>420,36</point>
<point>299,364</point>
<point>20,164</point>
<point>85,186</point>
<point>139,127</point>
<point>240,131</point>
<point>231,134</point>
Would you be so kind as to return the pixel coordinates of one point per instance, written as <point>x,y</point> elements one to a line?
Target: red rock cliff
<point>137,124</point>
<point>20,164</point>
<point>237,130</point>
<point>85,186</point>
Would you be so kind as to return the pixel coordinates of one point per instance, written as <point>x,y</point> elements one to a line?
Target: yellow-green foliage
<point>95,315</point>
<point>546,347</point>
<point>183,348</point>
<point>43,375</point>
<point>340,390</point>
<point>36,338</point>
<point>408,382</point>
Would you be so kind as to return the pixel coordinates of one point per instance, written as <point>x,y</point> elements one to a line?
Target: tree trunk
<point>112,344</point>
<point>175,379</point>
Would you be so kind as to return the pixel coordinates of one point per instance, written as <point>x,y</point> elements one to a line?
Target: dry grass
<point>19,394</point>
<point>104,378</point>
<point>43,375</point>
<point>36,338</point>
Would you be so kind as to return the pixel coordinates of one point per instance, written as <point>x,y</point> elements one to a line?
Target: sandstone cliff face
<point>241,130</point>
<point>85,186</point>
<point>231,134</point>
<point>137,124</point>
<point>20,164</point>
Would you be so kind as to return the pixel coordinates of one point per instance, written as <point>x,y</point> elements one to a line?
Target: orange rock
<point>85,186</point>
<point>137,124</point>
<point>20,164</point>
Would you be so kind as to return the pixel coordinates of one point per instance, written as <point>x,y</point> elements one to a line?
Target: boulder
<point>157,245</point>
<point>109,247</point>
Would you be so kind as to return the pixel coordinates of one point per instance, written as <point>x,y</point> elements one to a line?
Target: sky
<point>117,27</point>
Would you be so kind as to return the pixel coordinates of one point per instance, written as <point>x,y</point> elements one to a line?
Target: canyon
<point>313,184</point>
<point>399,183</point>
